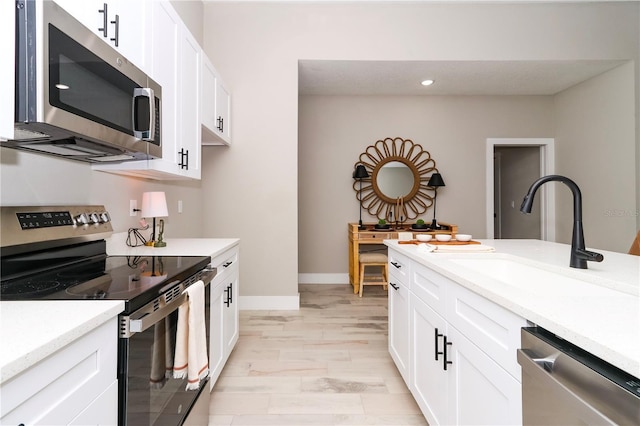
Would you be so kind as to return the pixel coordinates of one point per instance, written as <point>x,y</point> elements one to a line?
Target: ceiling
<point>326,77</point>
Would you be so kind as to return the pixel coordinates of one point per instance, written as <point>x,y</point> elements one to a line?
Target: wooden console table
<point>370,236</point>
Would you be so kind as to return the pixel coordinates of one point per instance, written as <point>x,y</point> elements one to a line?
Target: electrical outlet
<point>133,206</point>
<point>179,206</point>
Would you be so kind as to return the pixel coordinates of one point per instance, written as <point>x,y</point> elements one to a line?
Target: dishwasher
<point>565,385</point>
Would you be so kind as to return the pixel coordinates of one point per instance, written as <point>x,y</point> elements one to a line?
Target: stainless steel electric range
<point>59,253</point>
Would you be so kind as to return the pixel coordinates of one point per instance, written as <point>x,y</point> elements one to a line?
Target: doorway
<point>513,164</point>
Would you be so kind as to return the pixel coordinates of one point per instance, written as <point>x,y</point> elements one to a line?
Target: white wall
<point>251,189</point>
<point>453,129</point>
<point>596,146</point>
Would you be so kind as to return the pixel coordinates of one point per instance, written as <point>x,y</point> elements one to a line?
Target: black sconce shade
<point>436,180</point>
<point>360,172</point>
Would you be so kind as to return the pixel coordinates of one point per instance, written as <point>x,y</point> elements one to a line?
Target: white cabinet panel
<point>225,315</point>
<point>399,326</point>
<point>430,386</point>
<point>485,394</point>
<point>60,388</point>
<point>215,107</point>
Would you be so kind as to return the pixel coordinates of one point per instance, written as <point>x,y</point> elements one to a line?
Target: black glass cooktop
<point>136,280</point>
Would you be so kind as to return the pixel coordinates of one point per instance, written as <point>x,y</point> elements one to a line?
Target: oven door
<point>148,393</point>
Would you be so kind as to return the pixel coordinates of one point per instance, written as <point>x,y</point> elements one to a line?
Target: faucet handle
<point>591,256</point>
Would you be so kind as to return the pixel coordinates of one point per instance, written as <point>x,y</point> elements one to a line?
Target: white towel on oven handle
<point>191,338</point>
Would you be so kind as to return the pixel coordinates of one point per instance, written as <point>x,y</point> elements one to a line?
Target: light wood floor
<point>326,364</point>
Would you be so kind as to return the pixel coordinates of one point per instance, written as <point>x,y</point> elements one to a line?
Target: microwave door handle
<point>148,93</point>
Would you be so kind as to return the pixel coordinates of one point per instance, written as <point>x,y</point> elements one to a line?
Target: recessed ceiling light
<point>62,86</point>
<point>427,82</point>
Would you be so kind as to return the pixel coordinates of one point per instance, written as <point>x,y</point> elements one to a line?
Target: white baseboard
<point>269,303</point>
<point>323,278</point>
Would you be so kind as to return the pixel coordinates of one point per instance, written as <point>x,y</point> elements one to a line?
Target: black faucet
<point>579,256</point>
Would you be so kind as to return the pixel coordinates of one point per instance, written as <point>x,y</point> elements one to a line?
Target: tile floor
<point>326,364</point>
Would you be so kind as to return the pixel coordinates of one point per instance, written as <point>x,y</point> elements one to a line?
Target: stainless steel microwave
<point>76,96</point>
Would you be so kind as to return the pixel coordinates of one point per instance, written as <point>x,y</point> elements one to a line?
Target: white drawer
<point>431,287</point>
<point>494,329</point>
<point>226,262</point>
<point>400,267</point>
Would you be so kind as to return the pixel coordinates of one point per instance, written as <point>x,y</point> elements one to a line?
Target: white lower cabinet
<point>399,321</point>
<point>76,385</point>
<point>462,357</point>
<point>225,320</point>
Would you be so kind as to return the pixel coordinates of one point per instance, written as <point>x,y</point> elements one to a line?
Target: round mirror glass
<point>395,179</point>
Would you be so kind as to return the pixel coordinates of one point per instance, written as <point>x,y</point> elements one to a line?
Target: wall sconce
<point>154,204</point>
<point>435,181</point>
<point>358,174</point>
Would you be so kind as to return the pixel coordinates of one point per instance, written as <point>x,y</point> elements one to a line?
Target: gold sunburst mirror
<point>397,187</point>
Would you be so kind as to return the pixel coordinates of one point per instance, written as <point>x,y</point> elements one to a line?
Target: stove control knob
<point>104,217</point>
<point>81,219</point>
<point>93,218</point>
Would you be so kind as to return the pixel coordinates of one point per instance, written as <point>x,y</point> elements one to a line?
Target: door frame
<point>547,192</point>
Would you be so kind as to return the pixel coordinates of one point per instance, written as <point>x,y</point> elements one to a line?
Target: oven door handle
<point>149,315</point>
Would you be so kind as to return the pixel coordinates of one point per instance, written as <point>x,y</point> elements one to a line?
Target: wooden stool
<point>373,259</point>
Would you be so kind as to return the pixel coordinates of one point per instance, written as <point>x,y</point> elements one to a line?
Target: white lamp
<point>154,204</point>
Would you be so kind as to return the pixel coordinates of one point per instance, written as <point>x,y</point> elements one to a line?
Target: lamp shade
<point>154,204</point>
<point>436,180</point>
<point>360,172</point>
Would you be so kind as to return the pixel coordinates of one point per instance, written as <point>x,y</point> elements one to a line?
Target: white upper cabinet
<point>120,23</point>
<point>215,107</point>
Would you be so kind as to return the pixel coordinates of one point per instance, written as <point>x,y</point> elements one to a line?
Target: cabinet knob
<point>395,287</point>
<point>116,25</point>
<point>397,265</point>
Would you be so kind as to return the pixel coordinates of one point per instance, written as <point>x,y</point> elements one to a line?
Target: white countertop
<point>30,331</point>
<point>597,308</point>
<point>116,246</point>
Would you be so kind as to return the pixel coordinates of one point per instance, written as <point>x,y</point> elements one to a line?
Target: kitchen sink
<point>523,276</point>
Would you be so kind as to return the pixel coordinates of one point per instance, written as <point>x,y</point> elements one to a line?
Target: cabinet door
<point>223,111</point>
<point>216,349</point>
<point>208,99</point>
<point>481,392</point>
<point>133,24</point>
<point>429,379</point>
<point>399,326</point>
<point>231,313</point>
<point>164,70</point>
<point>189,100</point>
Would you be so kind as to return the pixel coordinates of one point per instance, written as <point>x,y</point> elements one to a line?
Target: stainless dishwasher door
<point>564,385</point>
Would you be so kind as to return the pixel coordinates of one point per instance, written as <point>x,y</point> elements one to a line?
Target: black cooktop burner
<point>136,280</point>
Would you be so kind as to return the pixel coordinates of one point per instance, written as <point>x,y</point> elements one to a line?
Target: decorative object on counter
<point>382,224</point>
<point>463,237</point>
<point>358,174</point>
<point>443,237</point>
<point>420,225</point>
<point>154,204</point>
<point>435,181</point>
<point>423,237</point>
<point>397,189</point>
<point>579,255</point>
<point>134,237</point>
